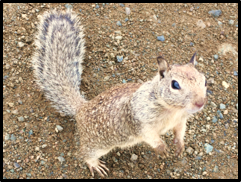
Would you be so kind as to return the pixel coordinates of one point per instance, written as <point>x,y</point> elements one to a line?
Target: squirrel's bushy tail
<point>57,61</point>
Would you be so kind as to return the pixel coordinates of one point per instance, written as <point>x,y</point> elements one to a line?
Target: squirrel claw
<point>163,150</point>
<point>100,168</point>
<point>179,150</point>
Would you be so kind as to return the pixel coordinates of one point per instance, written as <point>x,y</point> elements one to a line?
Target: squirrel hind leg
<point>94,163</point>
<point>98,165</point>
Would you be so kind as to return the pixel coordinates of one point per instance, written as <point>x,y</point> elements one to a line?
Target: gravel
<point>32,149</point>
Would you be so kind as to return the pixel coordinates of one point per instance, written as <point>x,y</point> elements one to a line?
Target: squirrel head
<point>181,86</point>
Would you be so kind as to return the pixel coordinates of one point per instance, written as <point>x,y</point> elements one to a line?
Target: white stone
<point>134,157</point>
<point>20,44</point>
<point>61,159</point>
<point>225,84</point>
<point>58,128</point>
<point>201,24</point>
<point>128,11</point>
<point>44,146</point>
<point>36,148</point>
<point>118,37</point>
<point>190,150</point>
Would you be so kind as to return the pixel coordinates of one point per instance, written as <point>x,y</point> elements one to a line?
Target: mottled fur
<point>58,57</point>
<point>123,115</point>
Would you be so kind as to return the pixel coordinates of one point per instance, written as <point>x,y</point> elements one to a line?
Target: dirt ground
<point>33,149</point>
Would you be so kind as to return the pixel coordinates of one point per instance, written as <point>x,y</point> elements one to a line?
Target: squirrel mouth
<point>195,109</point>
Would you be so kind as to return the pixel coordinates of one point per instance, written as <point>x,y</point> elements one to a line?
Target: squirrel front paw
<point>179,147</point>
<point>163,150</point>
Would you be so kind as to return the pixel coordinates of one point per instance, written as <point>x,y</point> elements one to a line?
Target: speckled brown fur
<point>106,116</point>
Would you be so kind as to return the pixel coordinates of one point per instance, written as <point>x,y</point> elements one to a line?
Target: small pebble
<point>220,23</point>
<point>191,44</point>
<point>210,81</point>
<point>15,112</point>
<point>128,11</point>
<point>106,78</point>
<point>16,165</point>
<point>225,112</point>
<point>61,159</point>
<point>201,24</point>
<point>30,132</point>
<point>10,104</point>
<point>222,106</point>
<point>20,44</point>
<point>208,147</point>
<point>68,6</point>
<point>210,92</point>
<point>118,37</point>
<point>189,150</point>
<point>44,146</point>
<point>220,114</point>
<point>58,128</point>
<point>198,157</point>
<point>123,81</point>
<point>215,13</point>
<point>20,118</point>
<point>213,104</point>
<point>13,138</point>
<point>12,170</point>
<point>119,23</point>
<point>114,159</point>
<point>97,6</point>
<point>214,119</point>
<point>231,22</point>
<point>226,125</point>
<point>7,137</point>
<point>215,56</point>
<point>121,4</point>
<point>126,19</point>
<point>160,38</point>
<point>119,58</point>
<point>235,73</point>
<point>215,169</point>
<point>225,84</point>
<point>134,157</point>
<point>36,148</point>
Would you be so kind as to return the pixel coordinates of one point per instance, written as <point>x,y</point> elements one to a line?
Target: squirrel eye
<point>205,83</point>
<point>175,85</point>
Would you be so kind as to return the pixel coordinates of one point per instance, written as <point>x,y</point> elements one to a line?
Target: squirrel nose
<point>200,103</point>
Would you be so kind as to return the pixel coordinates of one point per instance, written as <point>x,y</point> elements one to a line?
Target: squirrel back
<point>57,60</point>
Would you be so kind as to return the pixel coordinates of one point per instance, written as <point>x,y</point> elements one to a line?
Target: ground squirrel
<point>123,115</point>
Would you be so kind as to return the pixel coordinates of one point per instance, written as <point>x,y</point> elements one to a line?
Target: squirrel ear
<point>193,59</point>
<point>162,65</point>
